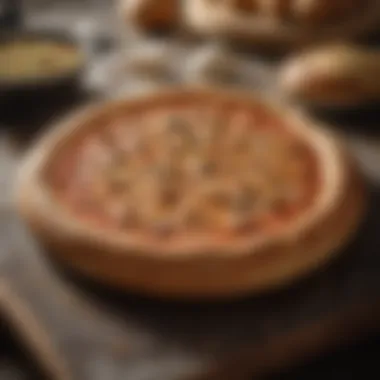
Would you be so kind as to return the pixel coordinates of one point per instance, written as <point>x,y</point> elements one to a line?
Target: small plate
<point>24,93</point>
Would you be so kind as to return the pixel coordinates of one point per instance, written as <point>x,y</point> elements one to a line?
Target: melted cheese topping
<point>216,168</point>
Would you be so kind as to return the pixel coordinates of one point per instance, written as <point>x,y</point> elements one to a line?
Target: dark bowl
<point>25,94</point>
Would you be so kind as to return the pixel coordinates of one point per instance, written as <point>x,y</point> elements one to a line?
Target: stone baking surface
<point>125,336</point>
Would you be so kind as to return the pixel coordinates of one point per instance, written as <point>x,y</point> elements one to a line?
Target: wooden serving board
<point>118,336</point>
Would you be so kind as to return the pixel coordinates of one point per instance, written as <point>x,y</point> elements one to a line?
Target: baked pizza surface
<point>215,171</point>
<point>191,193</point>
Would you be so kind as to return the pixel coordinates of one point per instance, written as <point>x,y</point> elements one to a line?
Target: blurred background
<point>75,51</point>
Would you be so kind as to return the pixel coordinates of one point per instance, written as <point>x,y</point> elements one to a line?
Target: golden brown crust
<point>150,15</point>
<point>194,269</point>
<point>332,75</point>
<point>283,24</point>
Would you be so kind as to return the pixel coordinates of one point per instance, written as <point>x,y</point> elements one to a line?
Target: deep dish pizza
<point>191,193</point>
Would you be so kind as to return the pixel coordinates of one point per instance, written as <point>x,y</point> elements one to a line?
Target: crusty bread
<point>150,14</point>
<point>282,24</point>
<point>338,75</point>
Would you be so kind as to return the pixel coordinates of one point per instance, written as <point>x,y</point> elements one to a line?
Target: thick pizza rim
<point>32,190</point>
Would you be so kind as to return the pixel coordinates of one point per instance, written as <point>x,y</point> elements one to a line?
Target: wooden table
<point>235,340</point>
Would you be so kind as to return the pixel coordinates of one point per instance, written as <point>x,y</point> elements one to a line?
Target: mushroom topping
<point>216,169</point>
